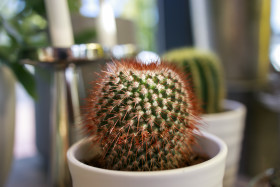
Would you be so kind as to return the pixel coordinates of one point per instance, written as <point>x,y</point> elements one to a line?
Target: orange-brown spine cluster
<point>143,117</point>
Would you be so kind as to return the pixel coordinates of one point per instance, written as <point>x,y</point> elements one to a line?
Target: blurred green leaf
<point>74,5</point>
<point>37,6</point>
<point>10,30</point>
<point>22,74</point>
<point>4,54</point>
<point>25,78</point>
<point>85,36</point>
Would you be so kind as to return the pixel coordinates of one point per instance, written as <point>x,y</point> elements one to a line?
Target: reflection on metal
<point>61,57</point>
<point>124,51</point>
<point>59,173</point>
<point>74,98</point>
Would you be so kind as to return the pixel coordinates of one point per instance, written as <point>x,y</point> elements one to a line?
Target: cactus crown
<point>142,116</point>
<point>206,73</point>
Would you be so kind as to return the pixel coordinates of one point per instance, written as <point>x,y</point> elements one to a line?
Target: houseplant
<point>22,24</point>
<point>224,118</point>
<point>140,119</point>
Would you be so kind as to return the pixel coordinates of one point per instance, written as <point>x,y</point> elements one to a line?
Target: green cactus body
<point>142,116</point>
<point>206,72</point>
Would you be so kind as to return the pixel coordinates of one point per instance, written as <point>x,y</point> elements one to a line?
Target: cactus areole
<point>143,117</point>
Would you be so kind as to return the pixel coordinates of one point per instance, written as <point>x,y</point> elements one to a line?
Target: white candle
<point>106,25</point>
<point>59,23</point>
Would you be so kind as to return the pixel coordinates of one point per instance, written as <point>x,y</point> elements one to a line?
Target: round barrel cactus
<point>143,117</point>
<point>206,72</point>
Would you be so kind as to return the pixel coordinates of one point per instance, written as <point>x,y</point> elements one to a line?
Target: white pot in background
<point>228,126</point>
<point>7,122</point>
<point>207,174</point>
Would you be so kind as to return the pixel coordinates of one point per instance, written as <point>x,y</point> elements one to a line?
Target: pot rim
<point>231,107</point>
<point>212,161</point>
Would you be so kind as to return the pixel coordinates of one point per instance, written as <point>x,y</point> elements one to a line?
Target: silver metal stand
<point>65,100</point>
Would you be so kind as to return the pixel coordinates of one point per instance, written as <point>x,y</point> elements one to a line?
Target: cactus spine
<point>142,116</point>
<point>206,73</point>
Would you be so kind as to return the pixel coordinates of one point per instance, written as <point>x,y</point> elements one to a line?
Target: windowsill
<point>28,172</point>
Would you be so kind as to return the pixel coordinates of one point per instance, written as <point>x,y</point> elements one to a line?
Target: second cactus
<point>206,73</point>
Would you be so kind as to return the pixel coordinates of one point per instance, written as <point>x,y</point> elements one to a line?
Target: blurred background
<point>245,35</point>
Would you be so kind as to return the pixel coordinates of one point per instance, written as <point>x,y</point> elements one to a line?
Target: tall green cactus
<point>206,72</point>
<point>142,116</point>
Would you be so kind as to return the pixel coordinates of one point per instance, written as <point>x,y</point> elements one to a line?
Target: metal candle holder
<point>65,99</point>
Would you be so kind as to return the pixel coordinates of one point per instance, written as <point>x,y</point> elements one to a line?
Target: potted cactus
<point>224,118</point>
<point>141,123</point>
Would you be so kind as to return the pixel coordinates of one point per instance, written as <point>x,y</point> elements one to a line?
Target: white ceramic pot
<point>228,126</point>
<point>7,122</point>
<point>207,174</point>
